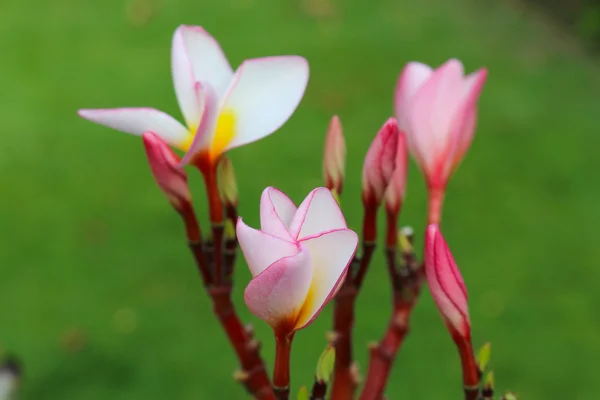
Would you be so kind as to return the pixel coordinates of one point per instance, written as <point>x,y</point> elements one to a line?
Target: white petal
<point>184,81</point>
<point>331,255</point>
<point>318,213</point>
<point>139,120</point>
<point>276,213</point>
<point>261,249</point>
<point>277,295</point>
<point>207,58</point>
<point>263,96</point>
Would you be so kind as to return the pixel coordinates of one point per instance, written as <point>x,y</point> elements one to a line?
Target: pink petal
<point>411,79</point>
<point>334,158</point>
<point>163,162</point>
<point>136,121</point>
<point>261,249</point>
<point>206,129</point>
<point>205,56</point>
<point>431,115</point>
<point>445,281</point>
<point>263,96</point>
<point>331,255</point>
<point>380,162</point>
<point>396,190</point>
<point>277,294</point>
<point>276,213</point>
<point>464,123</point>
<point>317,214</point>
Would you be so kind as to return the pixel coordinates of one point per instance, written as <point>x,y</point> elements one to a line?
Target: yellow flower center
<point>224,132</point>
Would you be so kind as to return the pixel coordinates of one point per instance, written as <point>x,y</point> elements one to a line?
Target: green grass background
<point>91,252</point>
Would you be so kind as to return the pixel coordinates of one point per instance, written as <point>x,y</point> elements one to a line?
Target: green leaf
<point>302,393</point>
<point>325,364</point>
<point>484,355</point>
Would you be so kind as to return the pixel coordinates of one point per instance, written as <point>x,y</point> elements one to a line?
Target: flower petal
<point>464,128</point>
<point>331,254</point>
<point>261,249</point>
<point>396,190</point>
<point>278,293</point>
<point>431,115</point>
<point>445,281</point>
<point>318,213</point>
<point>276,213</point>
<point>263,95</point>
<point>411,79</point>
<point>207,59</point>
<point>206,129</point>
<point>185,81</point>
<point>136,121</point>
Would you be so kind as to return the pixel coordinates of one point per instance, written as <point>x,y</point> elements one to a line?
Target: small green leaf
<point>509,396</point>
<point>325,365</point>
<point>302,393</point>
<point>229,230</point>
<point>484,355</point>
<point>405,239</point>
<point>489,381</point>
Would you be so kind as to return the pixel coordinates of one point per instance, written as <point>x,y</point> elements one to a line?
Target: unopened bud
<point>227,182</point>
<point>229,230</point>
<point>334,157</point>
<point>405,240</point>
<point>171,179</point>
<point>509,396</point>
<point>379,163</point>
<point>396,190</point>
<point>484,355</point>
<point>303,394</point>
<point>325,365</point>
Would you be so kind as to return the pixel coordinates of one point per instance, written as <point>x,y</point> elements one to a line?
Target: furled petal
<point>331,254</point>
<point>261,249</point>
<point>276,213</point>
<point>263,95</point>
<point>396,190</point>
<point>411,79</point>
<point>136,121</point>
<point>279,292</point>
<point>465,122</point>
<point>206,129</point>
<point>318,213</point>
<point>445,281</point>
<point>431,115</point>
<point>164,165</point>
<point>380,163</point>
<point>203,52</point>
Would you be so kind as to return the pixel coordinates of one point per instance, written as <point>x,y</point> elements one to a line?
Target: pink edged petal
<point>411,79</point>
<point>136,121</point>
<point>445,281</point>
<point>279,292</point>
<point>331,254</point>
<point>318,213</point>
<point>261,249</point>
<point>184,81</point>
<point>380,162</point>
<point>431,115</point>
<point>276,213</point>
<point>206,129</point>
<point>465,121</point>
<point>263,96</point>
<point>208,62</point>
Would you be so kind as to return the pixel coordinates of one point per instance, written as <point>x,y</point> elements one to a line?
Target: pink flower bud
<point>446,283</point>
<point>164,165</point>
<point>297,259</point>
<point>334,159</point>
<point>396,190</point>
<point>437,110</point>
<point>380,163</point>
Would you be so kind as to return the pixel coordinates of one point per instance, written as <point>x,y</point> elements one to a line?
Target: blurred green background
<point>99,296</point>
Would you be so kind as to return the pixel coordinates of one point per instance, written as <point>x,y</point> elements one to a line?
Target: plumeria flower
<point>446,283</point>
<point>437,110</point>
<point>222,109</point>
<point>298,258</point>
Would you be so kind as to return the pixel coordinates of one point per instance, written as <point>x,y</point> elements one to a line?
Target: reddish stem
<point>281,370</point>
<point>216,216</point>
<point>246,347</point>
<point>344,379</point>
<point>436,201</point>
<point>471,373</point>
